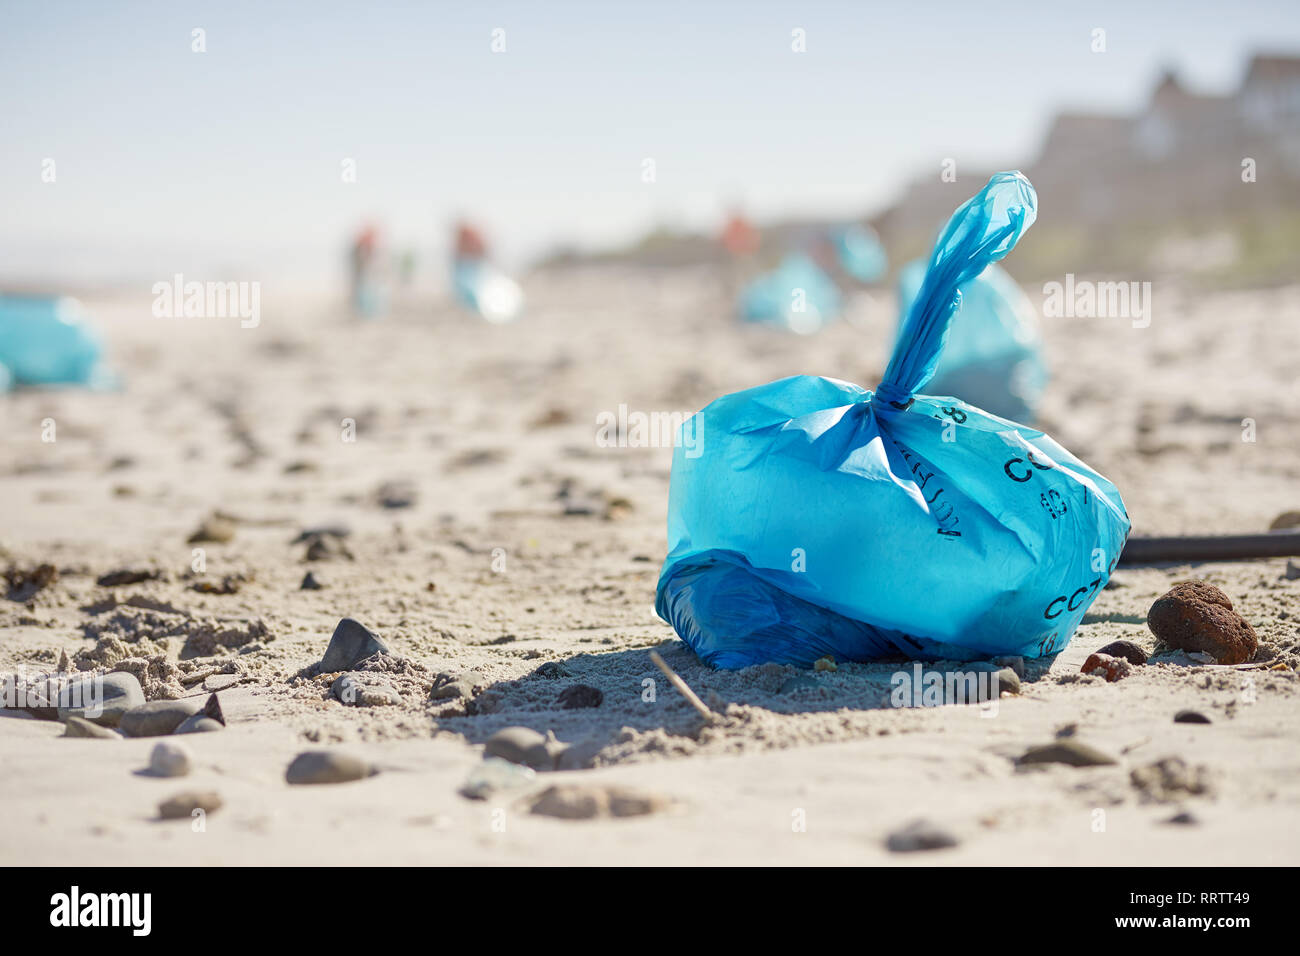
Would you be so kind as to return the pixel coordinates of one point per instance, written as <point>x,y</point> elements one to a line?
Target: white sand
<point>453,406</point>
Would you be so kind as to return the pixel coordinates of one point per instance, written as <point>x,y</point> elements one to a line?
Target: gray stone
<point>158,717</point>
<point>183,805</point>
<point>1015,662</point>
<point>920,835</point>
<point>521,745</point>
<point>1008,681</point>
<point>199,724</point>
<point>310,583</point>
<point>104,699</point>
<point>169,759</point>
<point>350,644</point>
<point>326,766</point>
<point>1066,751</point>
<point>355,691</point>
<point>580,802</point>
<point>80,727</point>
<point>1190,717</point>
<point>494,776</point>
<point>451,687</point>
<point>212,709</point>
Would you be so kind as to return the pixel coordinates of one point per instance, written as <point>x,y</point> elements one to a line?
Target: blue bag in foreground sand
<point>814,517</point>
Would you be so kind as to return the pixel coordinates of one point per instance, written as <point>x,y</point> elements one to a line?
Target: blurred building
<point>1110,186</point>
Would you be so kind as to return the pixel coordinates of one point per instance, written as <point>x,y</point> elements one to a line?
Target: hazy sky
<point>229,160</point>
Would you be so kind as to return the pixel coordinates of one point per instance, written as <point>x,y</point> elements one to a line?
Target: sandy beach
<point>500,550</point>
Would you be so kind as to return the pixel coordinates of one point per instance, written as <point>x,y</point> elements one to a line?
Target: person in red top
<point>740,238</point>
<point>741,241</point>
<point>469,243</point>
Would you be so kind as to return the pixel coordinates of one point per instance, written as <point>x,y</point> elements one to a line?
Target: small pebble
<point>326,766</point>
<point>158,717</point>
<point>451,687</point>
<point>169,759</point>
<point>579,802</point>
<point>1125,649</point>
<point>214,529</point>
<point>1066,751</point>
<point>920,835</point>
<point>1008,681</point>
<point>396,494</point>
<point>198,724</point>
<point>326,549</point>
<point>521,745</point>
<point>1286,521</point>
<point>355,691</point>
<point>350,644</point>
<point>101,699</point>
<point>580,695</point>
<point>1110,668</point>
<point>1015,662</point>
<point>310,583</point>
<point>1183,819</point>
<point>80,727</point>
<point>1292,572</point>
<point>183,805</point>
<point>1190,717</point>
<point>494,776</point>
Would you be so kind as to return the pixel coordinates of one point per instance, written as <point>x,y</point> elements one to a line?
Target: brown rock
<point>1195,616</point>
<point>183,805</point>
<point>575,802</point>
<point>1285,521</point>
<point>215,529</point>
<point>1125,649</point>
<point>1103,665</point>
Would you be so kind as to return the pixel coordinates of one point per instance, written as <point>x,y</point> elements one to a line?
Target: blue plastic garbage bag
<point>993,357</point>
<point>47,340</point>
<point>482,288</point>
<point>860,253</point>
<point>813,517</point>
<point>797,295</point>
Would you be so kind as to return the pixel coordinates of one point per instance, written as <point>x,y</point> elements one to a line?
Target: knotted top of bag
<point>981,231</point>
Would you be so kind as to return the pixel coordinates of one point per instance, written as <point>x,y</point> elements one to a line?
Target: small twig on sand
<point>683,689</point>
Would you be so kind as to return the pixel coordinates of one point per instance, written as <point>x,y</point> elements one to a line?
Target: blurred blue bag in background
<point>818,518</point>
<point>482,288</point>
<point>48,340</point>
<point>860,253</point>
<point>993,357</point>
<point>797,295</point>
